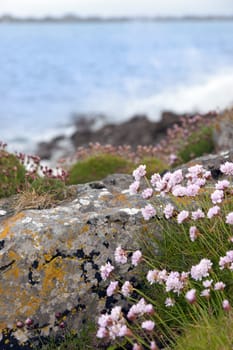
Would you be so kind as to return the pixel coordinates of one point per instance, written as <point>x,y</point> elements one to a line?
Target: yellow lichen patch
<point>53,273</point>
<point>85,229</point>
<point>15,272</point>
<point>104,197</point>
<point>120,197</point>
<point>48,256</point>
<point>9,223</point>
<point>13,255</point>
<point>28,304</point>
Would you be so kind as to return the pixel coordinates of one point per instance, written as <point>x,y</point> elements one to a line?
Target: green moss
<point>12,174</point>
<point>199,143</point>
<point>98,167</point>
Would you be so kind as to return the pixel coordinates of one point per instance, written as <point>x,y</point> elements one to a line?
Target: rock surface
<point>50,259</point>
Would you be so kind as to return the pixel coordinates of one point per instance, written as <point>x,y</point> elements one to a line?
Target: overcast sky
<point>116,7</point>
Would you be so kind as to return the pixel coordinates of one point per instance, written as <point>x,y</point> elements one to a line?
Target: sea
<point>52,72</point>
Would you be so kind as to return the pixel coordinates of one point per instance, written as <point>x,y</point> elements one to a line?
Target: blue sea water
<point>49,71</point>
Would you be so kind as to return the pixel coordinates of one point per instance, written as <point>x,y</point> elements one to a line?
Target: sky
<point>39,8</point>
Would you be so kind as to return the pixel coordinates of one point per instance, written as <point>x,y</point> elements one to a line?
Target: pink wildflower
<point>227,260</point>
<point>226,305</point>
<point>213,211</point>
<point>127,289</point>
<point>217,196</point>
<point>153,346</point>
<point>179,191</point>
<point>183,215</point>
<point>136,347</point>
<point>191,296</point>
<point>155,178</point>
<point>207,283</point>
<point>105,270</point>
<point>102,333</point>
<point>162,276</point>
<point>148,212</point>
<point>205,293</point>
<point>195,170</point>
<point>193,233</point>
<point>192,190</point>
<point>136,258</point>
<point>112,288</point>
<point>139,309</point>
<point>227,168</point>
<point>120,255</point>
<point>198,214</point>
<point>134,187</point>
<point>174,283</point>
<point>169,302</point>
<point>199,182</point>
<point>219,285</point>
<point>152,276</point>
<point>222,185</point>
<point>201,270</point>
<point>147,193</point>
<point>148,325</point>
<point>168,211</point>
<point>175,178</point>
<point>229,218</point>
<point>139,172</point>
<point>172,158</point>
<point>112,325</point>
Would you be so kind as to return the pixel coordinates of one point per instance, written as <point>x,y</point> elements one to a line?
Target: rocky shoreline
<point>138,130</point>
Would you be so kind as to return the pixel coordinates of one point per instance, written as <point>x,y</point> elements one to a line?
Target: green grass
<point>97,167</point>
<point>12,174</point>
<point>84,340</point>
<point>153,165</point>
<point>211,333</point>
<point>42,185</point>
<point>199,143</point>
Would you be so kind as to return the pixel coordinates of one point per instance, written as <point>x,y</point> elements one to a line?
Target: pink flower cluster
<point>140,309</point>
<point>226,261</point>
<point>105,270</point>
<point>227,168</point>
<point>139,172</point>
<point>113,325</point>
<point>173,281</point>
<point>121,256</point>
<point>148,212</point>
<point>201,270</point>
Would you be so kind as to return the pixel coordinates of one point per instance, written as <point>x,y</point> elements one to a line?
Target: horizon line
<point>78,18</point>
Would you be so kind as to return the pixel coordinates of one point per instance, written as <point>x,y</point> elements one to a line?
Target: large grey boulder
<point>50,259</point>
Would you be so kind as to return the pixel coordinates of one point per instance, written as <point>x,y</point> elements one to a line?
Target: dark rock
<point>138,130</point>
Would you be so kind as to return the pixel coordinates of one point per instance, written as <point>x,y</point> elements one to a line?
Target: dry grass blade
<point>33,200</point>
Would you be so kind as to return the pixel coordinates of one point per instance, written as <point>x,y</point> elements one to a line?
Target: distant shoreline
<point>78,19</point>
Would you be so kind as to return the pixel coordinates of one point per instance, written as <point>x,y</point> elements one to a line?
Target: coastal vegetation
<point>183,295</point>
<point>187,283</point>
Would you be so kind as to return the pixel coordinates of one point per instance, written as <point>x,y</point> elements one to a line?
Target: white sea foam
<point>212,93</point>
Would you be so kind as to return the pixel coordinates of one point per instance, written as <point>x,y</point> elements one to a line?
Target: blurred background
<point>62,59</point>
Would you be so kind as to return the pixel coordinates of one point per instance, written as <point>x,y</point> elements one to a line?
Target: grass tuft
<point>98,167</point>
